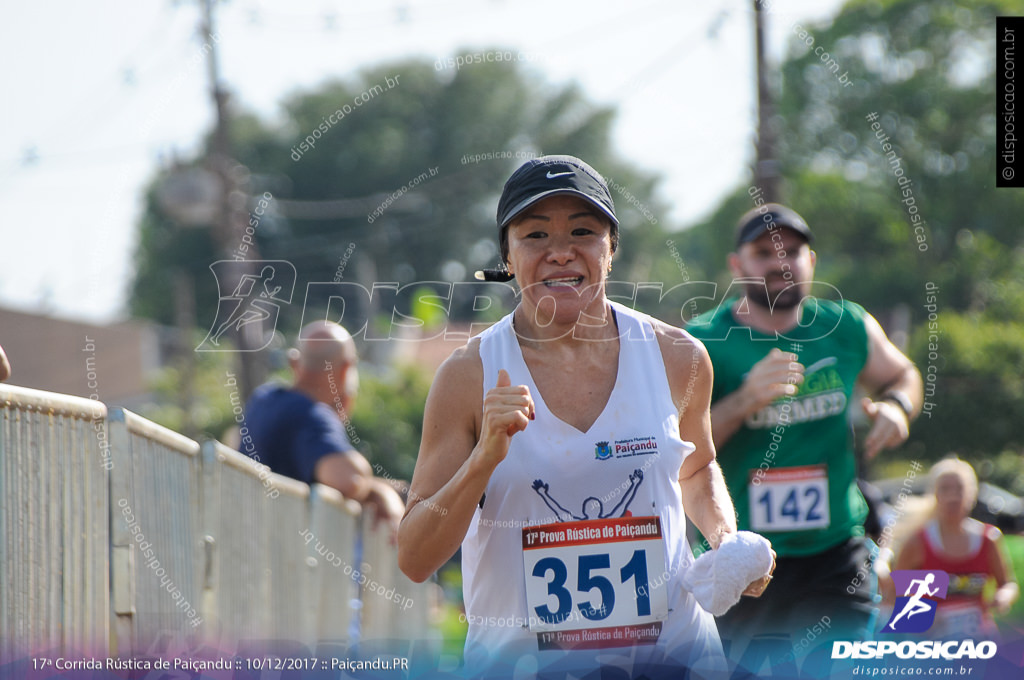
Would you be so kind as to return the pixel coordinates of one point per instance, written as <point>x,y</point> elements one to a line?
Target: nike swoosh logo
<point>559,174</point>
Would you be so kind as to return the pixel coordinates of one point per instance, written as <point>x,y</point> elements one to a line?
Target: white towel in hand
<point>718,577</point>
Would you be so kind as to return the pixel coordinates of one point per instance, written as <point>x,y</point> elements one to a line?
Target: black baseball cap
<point>758,220</point>
<point>539,178</point>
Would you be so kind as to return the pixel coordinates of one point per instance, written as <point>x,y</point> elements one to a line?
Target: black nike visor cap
<point>539,178</point>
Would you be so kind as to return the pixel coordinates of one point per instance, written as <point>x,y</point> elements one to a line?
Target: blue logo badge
<point>603,451</point>
<point>914,611</point>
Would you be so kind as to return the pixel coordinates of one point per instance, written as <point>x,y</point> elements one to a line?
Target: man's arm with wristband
<point>898,389</point>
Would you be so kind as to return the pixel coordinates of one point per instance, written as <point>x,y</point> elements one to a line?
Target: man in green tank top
<point>786,364</point>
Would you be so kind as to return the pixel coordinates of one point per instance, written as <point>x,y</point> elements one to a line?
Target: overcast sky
<point>96,95</point>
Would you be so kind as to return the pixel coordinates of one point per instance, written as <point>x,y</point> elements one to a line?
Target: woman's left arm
<point>708,503</point>
<point>707,500</point>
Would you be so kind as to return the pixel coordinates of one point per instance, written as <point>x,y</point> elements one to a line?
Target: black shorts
<point>829,595</point>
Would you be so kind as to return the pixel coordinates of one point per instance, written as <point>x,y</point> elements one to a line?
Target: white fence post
<point>333,522</point>
<point>394,607</point>
<point>236,519</point>
<point>156,536</point>
<point>54,513</point>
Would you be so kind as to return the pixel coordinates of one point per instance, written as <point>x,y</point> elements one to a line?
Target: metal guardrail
<point>235,601</point>
<point>115,531</point>
<point>333,523</point>
<point>54,514</point>
<point>291,598</point>
<point>156,548</point>
<point>394,607</point>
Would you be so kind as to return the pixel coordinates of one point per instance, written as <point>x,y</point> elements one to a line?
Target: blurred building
<point>114,362</point>
<point>424,349</point>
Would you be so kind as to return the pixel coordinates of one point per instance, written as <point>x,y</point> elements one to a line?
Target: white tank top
<point>626,465</point>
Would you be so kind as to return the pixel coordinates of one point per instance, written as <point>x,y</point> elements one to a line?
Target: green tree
<point>388,419</point>
<point>972,365</point>
<point>448,136</point>
<point>407,180</point>
<point>926,69</point>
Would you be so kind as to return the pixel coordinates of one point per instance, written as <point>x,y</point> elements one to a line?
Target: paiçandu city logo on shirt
<point>914,611</point>
<point>624,448</point>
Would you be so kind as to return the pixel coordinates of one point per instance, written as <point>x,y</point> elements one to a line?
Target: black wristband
<point>901,400</point>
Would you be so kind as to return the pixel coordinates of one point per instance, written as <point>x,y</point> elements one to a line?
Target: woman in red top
<point>970,551</point>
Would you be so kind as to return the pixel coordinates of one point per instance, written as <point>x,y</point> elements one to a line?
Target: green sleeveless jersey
<point>790,468</point>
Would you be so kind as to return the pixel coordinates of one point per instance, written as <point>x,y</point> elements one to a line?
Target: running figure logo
<point>249,302</point>
<point>921,590</point>
<point>592,504</point>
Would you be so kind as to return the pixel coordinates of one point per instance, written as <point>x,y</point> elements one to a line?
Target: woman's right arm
<point>1007,590</point>
<point>463,442</point>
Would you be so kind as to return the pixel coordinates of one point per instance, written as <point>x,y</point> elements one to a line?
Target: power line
<point>668,59</point>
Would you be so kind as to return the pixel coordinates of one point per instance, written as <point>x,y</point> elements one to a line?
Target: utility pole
<point>233,213</point>
<point>185,319</point>
<point>766,165</point>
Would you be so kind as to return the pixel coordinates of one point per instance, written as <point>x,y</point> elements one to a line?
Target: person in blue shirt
<point>300,431</point>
